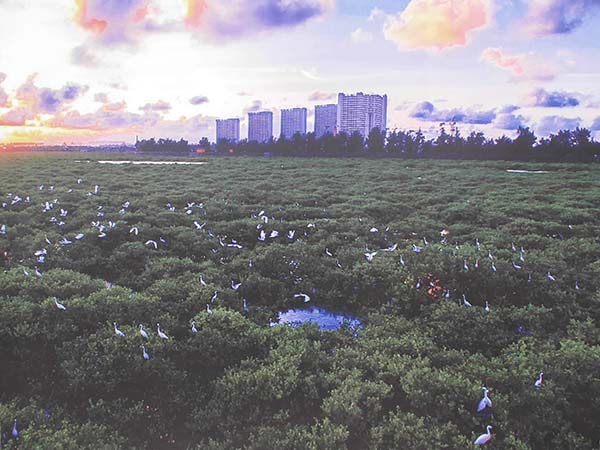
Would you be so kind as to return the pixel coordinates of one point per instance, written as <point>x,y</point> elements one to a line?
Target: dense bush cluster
<point>128,245</point>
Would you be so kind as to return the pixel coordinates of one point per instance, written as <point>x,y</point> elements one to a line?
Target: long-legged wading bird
<point>484,438</point>
<point>117,331</point>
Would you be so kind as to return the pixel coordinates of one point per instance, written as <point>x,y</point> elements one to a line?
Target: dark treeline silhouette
<point>564,146</point>
<point>162,145</point>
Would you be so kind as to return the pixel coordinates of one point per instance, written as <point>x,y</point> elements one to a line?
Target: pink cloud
<point>547,17</point>
<point>522,66</point>
<point>159,106</point>
<point>226,19</point>
<point>436,24</point>
<point>112,21</point>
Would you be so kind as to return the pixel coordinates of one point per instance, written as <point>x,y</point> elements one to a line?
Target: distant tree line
<point>564,146</point>
<point>162,145</point>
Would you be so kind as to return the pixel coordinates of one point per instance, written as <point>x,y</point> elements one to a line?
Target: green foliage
<point>410,378</point>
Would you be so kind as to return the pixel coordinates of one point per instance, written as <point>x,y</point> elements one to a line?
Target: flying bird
<point>370,256</point>
<point>199,225</point>
<point>306,297</point>
<point>235,286</point>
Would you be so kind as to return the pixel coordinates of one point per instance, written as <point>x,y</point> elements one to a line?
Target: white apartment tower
<point>361,113</point>
<point>228,129</point>
<point>260,126</point>
<point>325,120</point>
<point>293,121</point>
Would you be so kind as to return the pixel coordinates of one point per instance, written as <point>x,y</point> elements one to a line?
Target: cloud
<point>83,56</point>
<point>522,66</point>
<point>199,100</point>
<point>507,121</point>
<point>508,109</point>
<point>47,100</point>
<point>376,14</point>
<point>254,107</point>
<point>3,94</point>
<point>552,124</point>
<point>426,111</point>
<point>556,99</point>
<point>319,96</point>
<point>230,19</point>
<point>159,106</point>
<point>112,21</point>
<point>360,36</point>
<point>30,101</point>
<point>547,17</point>
<point>436,24</point>
<point>596,124</point>
<point>101,97</point>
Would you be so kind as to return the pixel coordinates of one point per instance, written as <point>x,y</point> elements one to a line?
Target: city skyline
<point>93,71</point>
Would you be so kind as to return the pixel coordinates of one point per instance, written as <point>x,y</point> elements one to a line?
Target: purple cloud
<point>556,99</point>
<point>508,121</point>
<point>546,17</point>
<point>596,124</point>
<point>552,124</point>
<point>319,96</point>
<point>426,111</point>
<point>159,106</point>
<point>199,100</point>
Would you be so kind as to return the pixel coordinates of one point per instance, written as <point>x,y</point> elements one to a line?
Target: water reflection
<point>326,320</point>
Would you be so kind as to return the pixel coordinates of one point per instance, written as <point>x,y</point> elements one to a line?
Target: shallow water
<point>526,171</point>
<point>326,320</point>
<point>155,163</point>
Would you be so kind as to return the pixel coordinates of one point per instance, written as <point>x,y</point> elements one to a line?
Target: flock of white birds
<point>102,229</point>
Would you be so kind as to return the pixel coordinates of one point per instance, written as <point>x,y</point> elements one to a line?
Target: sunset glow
<point>108,70</point>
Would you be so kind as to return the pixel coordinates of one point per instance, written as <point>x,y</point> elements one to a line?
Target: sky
<point>106,71</point>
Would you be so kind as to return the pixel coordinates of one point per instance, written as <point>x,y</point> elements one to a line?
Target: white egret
<point>160,332</point>
<point>194,329</point>
<point>199,225</point>
<point>235,286</point>
<point>3,229</point>
<point>262,236</point>
<point>550,277</point>
<point>291,234</point>
<point>466,302</point>
<point>485,402</point>
<point>143,332</point>
<point>540,380</point>
<point>274,234</point>
<point>117,331</point>
<point>327,252</point>
<point>152,243</point>
<point>484,438</point>
<point>214,297</point>
<point>59,305</point>
<point>208,310</point>
<point>370,256</point>
<point>304,296</point>
<point>487,307</point>
<point>145,354</point>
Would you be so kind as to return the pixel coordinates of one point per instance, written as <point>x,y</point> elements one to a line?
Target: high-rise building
<point>228,129</point>
<point>293,121</point>
<point>325,120</point>
<point>361,113</point>
<point>260,126</point>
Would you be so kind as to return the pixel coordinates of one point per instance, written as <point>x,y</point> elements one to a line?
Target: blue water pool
<point>326,320</point>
